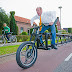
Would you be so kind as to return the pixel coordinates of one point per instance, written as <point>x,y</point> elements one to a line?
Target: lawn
<point>8,49</point>
<point>13,48</point>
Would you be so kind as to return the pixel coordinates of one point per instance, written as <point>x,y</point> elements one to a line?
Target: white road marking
<point>68,57</point>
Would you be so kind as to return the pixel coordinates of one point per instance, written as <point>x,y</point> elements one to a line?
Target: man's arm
<point>53,16</point>
<point>34,18</point>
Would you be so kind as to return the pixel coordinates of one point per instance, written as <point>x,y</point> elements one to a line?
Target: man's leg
<point>53,31</point>
<point>42,31</point>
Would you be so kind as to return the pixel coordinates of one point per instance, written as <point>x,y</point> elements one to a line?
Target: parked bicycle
<point>12,38</point>
<point>26,54</point>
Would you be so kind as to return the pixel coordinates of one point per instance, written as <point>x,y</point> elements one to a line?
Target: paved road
<point>47,61</point>
<point>65,66</point>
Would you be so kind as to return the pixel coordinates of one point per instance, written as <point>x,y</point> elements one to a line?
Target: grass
<point>13,48</point>
<point>8,49</point>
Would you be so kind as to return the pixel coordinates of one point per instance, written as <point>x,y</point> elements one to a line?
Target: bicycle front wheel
<point>3,40</point>
<point>26,55</point>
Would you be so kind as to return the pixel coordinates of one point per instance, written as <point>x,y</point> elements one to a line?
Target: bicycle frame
<point>37,36</point>
<point>4,36</point>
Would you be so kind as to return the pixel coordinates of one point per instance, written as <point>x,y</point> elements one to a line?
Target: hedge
<point>70,30</point>
<point>24,33</point>
<point>22,38</point>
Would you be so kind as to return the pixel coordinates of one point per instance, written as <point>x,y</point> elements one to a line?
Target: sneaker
<point>53,47</point>
<point>47,48</point>
<point>8,41</point>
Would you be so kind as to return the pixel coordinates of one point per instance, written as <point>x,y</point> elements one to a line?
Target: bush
<point>21,38</point>
<point>24,33</point>
<point>70,30</point>
<point>65,33</point>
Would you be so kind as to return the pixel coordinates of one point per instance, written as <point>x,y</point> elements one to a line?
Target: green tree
<point>3,19</point>
<point>13,26</point>
<point>70,30</point>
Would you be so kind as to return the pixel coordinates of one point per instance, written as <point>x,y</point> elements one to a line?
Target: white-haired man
<point>47,18</point>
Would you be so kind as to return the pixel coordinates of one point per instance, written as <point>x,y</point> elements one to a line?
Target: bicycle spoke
<point>25,61</point>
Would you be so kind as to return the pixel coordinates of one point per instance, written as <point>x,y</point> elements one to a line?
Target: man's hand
<point>51,23</point>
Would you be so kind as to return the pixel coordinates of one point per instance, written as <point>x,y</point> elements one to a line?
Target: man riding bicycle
<point>7,31</point>
<point>47,19</point>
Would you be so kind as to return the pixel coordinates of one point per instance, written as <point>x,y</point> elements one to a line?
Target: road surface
<point>47,61</point>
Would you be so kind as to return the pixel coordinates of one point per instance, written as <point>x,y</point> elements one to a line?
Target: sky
<point>27,9</point>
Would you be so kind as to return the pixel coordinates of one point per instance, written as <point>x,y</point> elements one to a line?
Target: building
<point>23,24</point>
<point>58,24</point>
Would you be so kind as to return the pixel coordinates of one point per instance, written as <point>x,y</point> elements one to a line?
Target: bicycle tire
<point>18,60</point>
<point>13,39</point>
<point>3,40</point>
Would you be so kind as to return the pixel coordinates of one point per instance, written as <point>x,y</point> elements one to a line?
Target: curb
<point>7,55</point>
<point>8,44</point>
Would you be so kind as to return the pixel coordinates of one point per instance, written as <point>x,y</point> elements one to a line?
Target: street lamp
<point>60,15</point>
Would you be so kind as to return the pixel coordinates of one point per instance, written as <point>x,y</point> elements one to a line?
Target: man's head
<point>39,11</point>
<point>4,24</point>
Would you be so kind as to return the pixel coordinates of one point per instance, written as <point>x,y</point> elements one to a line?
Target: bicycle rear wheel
<point>13,39</point>
<point>25,56</point>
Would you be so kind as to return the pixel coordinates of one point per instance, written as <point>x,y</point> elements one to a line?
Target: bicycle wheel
<point>25,56</point>
<point>13,39</point>
<point>3,40</point>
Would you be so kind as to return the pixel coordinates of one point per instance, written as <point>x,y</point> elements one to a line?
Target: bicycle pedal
<point>49,45</point>
<point>41,47</point>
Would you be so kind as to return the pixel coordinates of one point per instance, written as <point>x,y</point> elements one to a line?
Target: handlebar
<point>37,29</point>
<point>4,32</point>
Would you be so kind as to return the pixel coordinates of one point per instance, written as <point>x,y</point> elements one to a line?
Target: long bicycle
<point>26,54</point>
